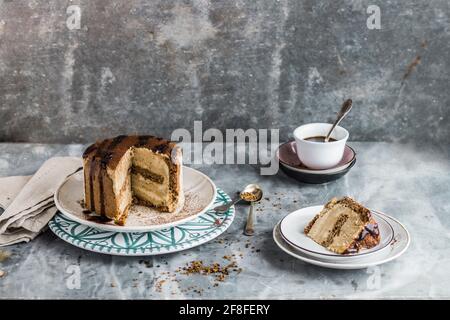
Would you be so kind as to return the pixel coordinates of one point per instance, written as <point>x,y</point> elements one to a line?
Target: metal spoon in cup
<point>345,109</point>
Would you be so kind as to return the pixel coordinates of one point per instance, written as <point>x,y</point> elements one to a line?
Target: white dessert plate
<point>199,192</point>
<point>396,248</point>
<point>292,230</point>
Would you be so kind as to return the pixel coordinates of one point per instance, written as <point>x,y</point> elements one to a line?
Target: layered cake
<point>132,169</point>
<point>344,226</point>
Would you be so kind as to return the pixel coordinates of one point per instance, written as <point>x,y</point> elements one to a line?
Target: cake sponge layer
<point>150,191</point>
<point>152,162</point>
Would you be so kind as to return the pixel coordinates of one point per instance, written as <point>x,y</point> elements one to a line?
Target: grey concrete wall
<point>153,66</point>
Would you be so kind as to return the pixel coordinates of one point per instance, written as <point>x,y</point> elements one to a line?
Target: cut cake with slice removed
<point>344,226</point>
<point>142,169</point>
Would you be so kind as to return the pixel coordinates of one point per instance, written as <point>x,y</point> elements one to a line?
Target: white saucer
<point>287,155</point>
<point>396,248</point>
<point>292,231</point>
<point>199,192</point>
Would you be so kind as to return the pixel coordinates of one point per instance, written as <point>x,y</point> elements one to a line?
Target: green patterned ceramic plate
<point>202,229</point>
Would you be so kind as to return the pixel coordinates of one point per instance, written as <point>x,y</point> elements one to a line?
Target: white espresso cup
<point>320,155</point>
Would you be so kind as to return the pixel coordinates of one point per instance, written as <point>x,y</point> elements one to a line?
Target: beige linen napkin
<point>28,200</point>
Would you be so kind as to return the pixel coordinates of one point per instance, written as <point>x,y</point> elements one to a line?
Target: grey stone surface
<point>406,181</point>
<point>153,66</point>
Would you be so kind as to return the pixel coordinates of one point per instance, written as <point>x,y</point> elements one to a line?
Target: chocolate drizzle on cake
<point>368,237</point>
<point>369,229</point>
<point>161,148</point>
<point>107,154</point>
<point>142,141</point>
<point>98,219</point>
<point>103,155</point>
<point>93,170</point>
<point>89,150</point>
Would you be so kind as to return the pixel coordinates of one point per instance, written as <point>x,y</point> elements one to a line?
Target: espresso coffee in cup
<point>319,139</point>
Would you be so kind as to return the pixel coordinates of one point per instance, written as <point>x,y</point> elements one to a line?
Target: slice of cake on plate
<point>344,226</point>
<point>126,169</point>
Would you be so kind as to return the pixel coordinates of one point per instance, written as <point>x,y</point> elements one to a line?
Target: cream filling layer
<point>322,227</point>
<point>150,191</point>
<point>349,231</point>
<point>147,159</point>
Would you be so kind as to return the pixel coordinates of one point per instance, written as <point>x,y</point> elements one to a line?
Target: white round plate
<point>397,247</point>
<point>202,229</point>
<point>292,230</point>
<point>199,192</point>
